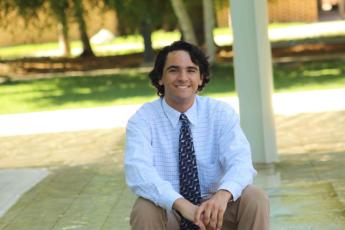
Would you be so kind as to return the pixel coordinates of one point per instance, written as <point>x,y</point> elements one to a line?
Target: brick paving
<point>85,188</point>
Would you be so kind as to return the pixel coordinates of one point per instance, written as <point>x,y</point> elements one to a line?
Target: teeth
<point>182,86</point>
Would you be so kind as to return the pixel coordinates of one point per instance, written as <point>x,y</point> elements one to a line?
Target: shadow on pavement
<point>85,188</point>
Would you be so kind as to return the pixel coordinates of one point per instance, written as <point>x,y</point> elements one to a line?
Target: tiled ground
<point>85,188</point>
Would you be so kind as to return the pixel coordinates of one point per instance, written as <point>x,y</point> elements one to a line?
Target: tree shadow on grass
<point>222,80</point>
<point>134,87</point>
<point>309,75</point>
<point>83,90</point>
<point>287,77</point>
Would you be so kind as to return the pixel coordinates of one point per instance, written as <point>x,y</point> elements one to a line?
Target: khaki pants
<point>249,212</point>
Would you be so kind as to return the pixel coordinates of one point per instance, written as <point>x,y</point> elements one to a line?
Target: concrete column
<point>253,76</point>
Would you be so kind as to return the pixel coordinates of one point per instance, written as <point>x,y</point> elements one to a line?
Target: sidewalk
<point>85,188</point>
<point>117,116</point>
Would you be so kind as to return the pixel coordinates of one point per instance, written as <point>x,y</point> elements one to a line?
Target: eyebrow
<point>172,67</point>
<point>178,67</point>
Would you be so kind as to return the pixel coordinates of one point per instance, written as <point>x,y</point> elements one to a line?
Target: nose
<point>182,75</point>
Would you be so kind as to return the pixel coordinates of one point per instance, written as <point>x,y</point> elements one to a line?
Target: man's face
<point>181,79</point>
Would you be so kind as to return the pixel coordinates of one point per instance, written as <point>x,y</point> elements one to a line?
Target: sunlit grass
<point>292,32</point>
<point>134,43</point>
<point>30,50</point>
<point>133,87</point>
<point>322,72</point>
<point>118,46</point>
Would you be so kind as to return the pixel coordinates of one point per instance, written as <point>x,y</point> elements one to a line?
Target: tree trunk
<point>184,21</point>
<point>59,9</point>
<point>195,11</point>
<point>79,15</point>
<point>146,32</point>
<point>342,8</point>
<point>64,40</point>
<point>209,26</point>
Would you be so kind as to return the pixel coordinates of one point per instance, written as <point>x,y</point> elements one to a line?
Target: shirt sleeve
<point>235,155</point>
<point>141,175</point>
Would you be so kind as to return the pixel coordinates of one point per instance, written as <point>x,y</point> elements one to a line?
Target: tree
<point>184,21</point>
<point>196,11</point>
<point>196,20</point>
<point>59,10</point>
<point>143,16</point>
<point>28,10</point>
<point>78,10</point>
<point>208,28</point>
<point>25,9</point>
<point>146,32</point>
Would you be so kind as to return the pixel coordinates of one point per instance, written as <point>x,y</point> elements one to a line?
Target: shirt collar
<point>174,115</point>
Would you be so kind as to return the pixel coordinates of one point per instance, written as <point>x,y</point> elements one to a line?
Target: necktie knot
<point>184,119</point>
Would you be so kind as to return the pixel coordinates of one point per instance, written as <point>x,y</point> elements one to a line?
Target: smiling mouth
<point>182,86</point>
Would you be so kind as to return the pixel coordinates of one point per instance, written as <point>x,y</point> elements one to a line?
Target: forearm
<point>185,208</point>
<point>225,194</point>
<point>236,179</point>
<point>145,182</point>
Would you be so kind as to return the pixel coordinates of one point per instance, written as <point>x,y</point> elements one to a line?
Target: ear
<point>202,79</point>
<point>160,82</point>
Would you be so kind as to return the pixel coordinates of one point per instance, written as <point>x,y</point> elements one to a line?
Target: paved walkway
<point>85,188</point>
<point>117,116</point>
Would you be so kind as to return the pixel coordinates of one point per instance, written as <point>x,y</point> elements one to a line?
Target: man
<point>187,158</point>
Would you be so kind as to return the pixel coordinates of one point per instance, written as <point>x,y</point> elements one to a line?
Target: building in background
<point>296,11</point>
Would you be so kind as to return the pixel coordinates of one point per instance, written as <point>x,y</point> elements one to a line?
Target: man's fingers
<point>201,225</point>
<point>207,215</point>
<point>220,219</point>
<point>199,212</point>
<point>214,218</point>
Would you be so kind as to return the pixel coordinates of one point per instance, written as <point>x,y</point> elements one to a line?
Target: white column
<point>253,76</point>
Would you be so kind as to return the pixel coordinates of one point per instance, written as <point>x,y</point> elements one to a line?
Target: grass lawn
<point>278,32</point>
<point>131,87</point>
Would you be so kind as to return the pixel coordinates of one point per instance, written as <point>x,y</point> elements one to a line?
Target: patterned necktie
<point>189,180</point>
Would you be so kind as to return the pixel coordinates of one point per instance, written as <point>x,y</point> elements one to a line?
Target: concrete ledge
<point>15,182</point>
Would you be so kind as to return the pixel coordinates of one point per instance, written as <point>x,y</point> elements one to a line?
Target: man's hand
<point>188,211</point>
<point>211,212</point>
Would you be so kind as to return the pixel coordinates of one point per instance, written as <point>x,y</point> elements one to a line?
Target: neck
<point>181,106</point>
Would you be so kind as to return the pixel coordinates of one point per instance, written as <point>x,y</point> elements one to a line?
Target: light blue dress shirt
<point>151,156</point>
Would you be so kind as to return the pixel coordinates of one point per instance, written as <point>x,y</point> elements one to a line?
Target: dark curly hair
<point>196,55</point>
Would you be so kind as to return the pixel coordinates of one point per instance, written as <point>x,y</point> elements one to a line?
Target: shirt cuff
<point>168,199</point>
<point>233,187</point>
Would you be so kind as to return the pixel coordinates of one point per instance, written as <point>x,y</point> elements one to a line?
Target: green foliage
<point>196,15</point>
<point>25,9</point>
<point>59,9</point>
<point>6,7</point>
<point>28,8</point>
<point>132,13</point>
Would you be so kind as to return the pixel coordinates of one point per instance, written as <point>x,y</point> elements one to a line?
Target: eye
<point>192,70</point>
<point>172,70</point>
